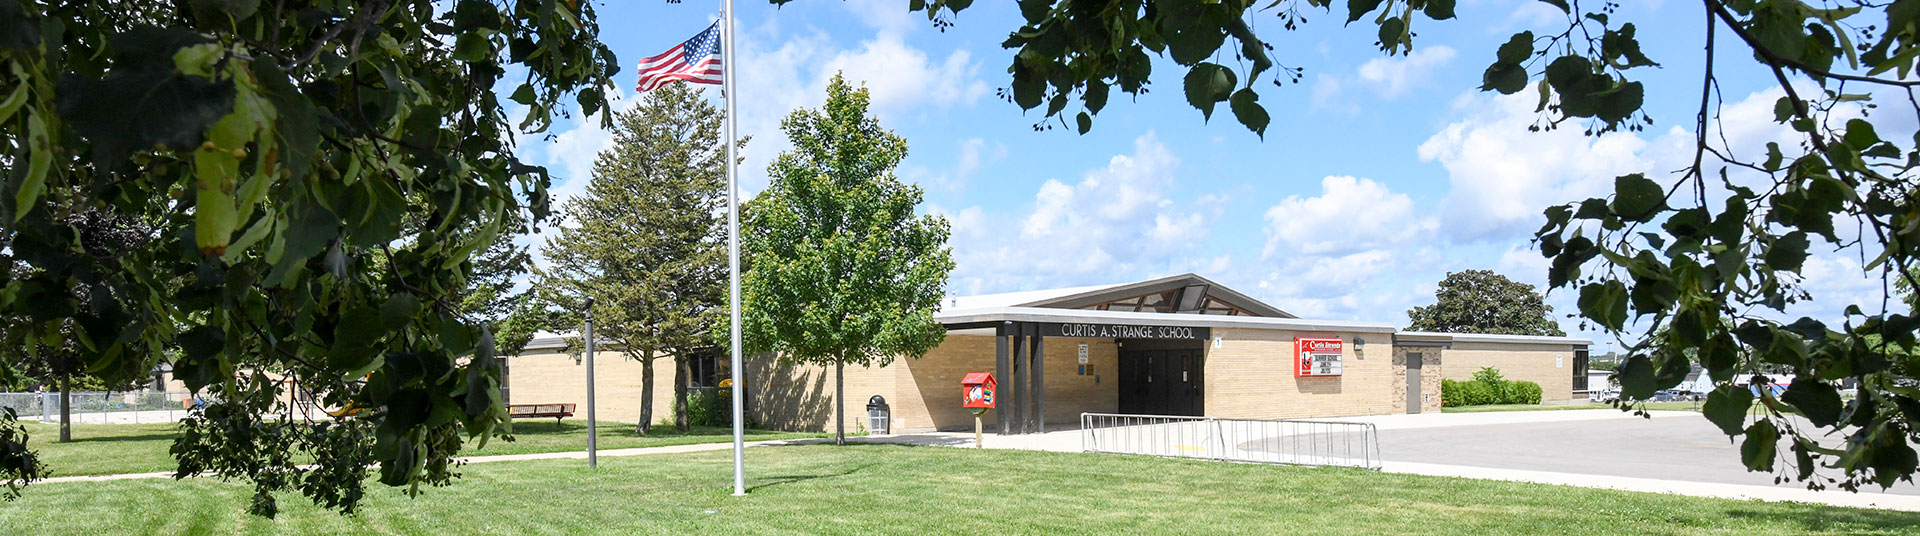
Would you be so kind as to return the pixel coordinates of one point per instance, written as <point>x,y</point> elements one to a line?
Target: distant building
<point>1181,345</point>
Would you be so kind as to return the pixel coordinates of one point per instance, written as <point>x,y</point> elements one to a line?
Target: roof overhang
<point>1103,294</point>
<point>985,317</point>
<point>1428,338</point>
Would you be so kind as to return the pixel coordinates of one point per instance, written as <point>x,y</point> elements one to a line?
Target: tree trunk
<point>840,402</point>
<point>66,409</point>
<point>646,394</point>
<point>681,419</point>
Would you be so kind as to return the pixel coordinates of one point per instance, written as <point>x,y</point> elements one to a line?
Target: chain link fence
<point>102,407</point>
<point>1292,441</point>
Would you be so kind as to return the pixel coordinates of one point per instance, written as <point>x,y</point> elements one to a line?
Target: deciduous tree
<point>1481,301</point>
<point>842,272</point>
<point>290,193</point>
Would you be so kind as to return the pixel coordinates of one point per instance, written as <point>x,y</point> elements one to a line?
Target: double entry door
<point>1162,381</point>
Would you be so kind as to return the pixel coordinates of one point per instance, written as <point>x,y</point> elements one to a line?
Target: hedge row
<point>1477,393</point>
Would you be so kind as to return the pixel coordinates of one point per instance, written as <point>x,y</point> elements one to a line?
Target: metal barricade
<point>98,407</point>
<point>1288,441</point>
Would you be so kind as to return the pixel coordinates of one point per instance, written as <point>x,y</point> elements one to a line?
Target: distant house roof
<point>1184,294</point>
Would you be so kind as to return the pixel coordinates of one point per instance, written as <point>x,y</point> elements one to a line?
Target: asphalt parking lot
<point>1671,448</point>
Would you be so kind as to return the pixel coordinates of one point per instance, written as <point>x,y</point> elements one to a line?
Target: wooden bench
<point>557,411</point>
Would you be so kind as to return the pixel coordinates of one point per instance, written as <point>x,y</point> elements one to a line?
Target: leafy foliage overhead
<point>292,195</point>
<point>1481,301</point>
<point>1713,255</point>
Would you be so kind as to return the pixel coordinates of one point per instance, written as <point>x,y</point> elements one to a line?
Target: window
<point>703,369</point>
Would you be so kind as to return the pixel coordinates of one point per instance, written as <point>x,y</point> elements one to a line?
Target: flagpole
<point>727,68</point>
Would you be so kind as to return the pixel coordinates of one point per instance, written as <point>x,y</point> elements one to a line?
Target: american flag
<point>696,61</point>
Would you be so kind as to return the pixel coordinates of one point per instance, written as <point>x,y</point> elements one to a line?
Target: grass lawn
<point>102,449</point>
<point>1667,406</point>
<point>891,489</point>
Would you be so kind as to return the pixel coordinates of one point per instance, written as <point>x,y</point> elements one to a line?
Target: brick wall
<point>1430,374</point>
<point>1531,362</point>
<point>929,388</point>
<point>555,378</point>
<point>1250,376</point>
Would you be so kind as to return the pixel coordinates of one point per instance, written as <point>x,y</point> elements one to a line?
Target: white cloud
<point>1503,175</point>
<point>1117,222</point>
<point>1392,76</point>
<point>1388,77</point>
<point>1350,214</point>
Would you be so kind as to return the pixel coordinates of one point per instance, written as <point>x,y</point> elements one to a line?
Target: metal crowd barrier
<point>1291,441</point>
<point>98,407</point>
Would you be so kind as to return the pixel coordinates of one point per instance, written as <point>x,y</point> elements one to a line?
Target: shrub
<point>1494,381</point>
<point>1451,395</point>
<point>1523,392</point>
<point>1480,393</point>
<point>709,407</point>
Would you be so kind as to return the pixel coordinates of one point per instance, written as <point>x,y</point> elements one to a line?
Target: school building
<point>1180,345</point>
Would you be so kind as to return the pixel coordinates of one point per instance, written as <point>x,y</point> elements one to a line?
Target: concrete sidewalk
<point>572,455</point>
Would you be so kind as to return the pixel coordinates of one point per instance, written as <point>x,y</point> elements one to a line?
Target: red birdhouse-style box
<point>976,390</point>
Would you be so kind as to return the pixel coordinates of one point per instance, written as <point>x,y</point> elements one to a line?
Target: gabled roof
<point>1184,293</point>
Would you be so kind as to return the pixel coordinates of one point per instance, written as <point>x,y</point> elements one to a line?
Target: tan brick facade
<point>1430,375</point>
<point>1550,365</point>
<point>1250,376</point>
<point>554,377</point>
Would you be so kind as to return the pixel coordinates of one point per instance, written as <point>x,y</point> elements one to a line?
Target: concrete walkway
<point>569,455</point>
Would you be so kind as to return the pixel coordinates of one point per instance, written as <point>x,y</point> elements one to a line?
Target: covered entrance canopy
<point>1161,327</point>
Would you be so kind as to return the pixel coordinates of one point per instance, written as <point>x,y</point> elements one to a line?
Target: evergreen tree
<point>843,271</point>
<point>646,241</point>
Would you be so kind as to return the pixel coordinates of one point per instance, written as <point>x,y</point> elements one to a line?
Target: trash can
<point>878,415</point>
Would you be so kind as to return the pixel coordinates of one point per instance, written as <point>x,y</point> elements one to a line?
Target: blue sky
<point>1377,177</point>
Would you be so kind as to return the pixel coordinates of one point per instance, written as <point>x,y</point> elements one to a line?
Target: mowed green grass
<point>892,489</point>
<point>104,449</point>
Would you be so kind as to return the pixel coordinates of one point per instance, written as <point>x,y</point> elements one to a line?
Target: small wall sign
<point>1083,353</point>
<point>1317,357</point>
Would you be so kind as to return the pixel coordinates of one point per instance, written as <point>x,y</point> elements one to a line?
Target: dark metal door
<point>1133,386</point>
<point>1414,361</point>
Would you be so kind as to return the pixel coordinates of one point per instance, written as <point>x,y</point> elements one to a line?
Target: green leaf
<point>1816,400</point>
<point>1727,407</point>
<point>1788,252</point>
<point>1439,9</point>
<point>1516,50</point>
<point>1204,83</point>
<point>1393,32</point>
<point>1359,8</point>
<point>1637,198</point>
<point>1757,451</point>
<point>1247,109</point>
<point>39,164</point>
<point>1505,78</point>
<point>1096,96</point>
<point>472,47</point>
<point>1084,121</point>
<point>1605,303</point>
<point>174,109</point>
<point>1636,378</point>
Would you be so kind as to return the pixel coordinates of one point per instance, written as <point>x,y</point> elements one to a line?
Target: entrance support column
<point>1038,374</point>
<point>1022,370</point>
<point>1000,362</point>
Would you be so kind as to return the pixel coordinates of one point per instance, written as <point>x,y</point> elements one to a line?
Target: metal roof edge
<point>1493,338</point>
<point>1039,314</point>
